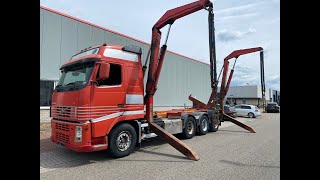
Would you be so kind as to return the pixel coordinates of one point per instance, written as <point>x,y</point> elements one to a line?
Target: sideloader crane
<point>214,106</point>
<point>216,100</point>
<point>156,61</point>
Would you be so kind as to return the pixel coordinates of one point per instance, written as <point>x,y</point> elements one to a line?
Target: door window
<point>115,76</point>
<point>245,107</point>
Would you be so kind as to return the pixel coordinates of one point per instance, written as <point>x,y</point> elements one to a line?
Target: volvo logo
<point>63,110</point>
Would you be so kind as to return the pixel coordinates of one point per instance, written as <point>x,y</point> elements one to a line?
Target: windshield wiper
<point>72,83</point>
<point>57,88</point>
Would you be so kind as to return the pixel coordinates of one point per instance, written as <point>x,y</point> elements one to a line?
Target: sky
<point>238,25</point>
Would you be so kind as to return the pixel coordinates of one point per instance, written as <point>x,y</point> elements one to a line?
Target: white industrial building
<point>251,95</point>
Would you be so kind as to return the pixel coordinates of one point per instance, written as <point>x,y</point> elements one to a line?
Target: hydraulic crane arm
<point>170,16</point>
<point>155,66</point>
<point>156,60</point>
<point>225,87</point>
<point>235,54</point>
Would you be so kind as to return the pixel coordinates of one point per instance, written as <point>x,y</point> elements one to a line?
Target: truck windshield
<point>74,77</point>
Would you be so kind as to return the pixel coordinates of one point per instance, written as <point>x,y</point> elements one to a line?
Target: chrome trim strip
<point>99,145</point>
<point>114,115</point>
<point>110,116</point>
<point>75,123</point>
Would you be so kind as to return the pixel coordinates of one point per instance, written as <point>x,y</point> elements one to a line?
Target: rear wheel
<point>214,125</point>
<point>190,128</point>
<point>204,125</point>
<point>122,140</point>
<point>250,115</point>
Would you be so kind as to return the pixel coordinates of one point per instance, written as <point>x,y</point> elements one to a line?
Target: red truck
<point>100,101</point>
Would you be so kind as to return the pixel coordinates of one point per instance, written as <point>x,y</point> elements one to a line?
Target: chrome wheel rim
<point>204,125</point>
<point>124,140</point>
<point>190,127</point>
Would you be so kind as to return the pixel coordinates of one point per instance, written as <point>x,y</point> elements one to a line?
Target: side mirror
<point>104,71</point>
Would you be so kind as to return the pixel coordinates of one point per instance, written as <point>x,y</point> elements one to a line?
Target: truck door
<point>108,95</point>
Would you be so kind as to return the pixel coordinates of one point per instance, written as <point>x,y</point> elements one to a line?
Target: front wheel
<point>122,140</point>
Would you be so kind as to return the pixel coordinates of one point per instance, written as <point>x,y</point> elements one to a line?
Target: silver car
<point>246,110</point>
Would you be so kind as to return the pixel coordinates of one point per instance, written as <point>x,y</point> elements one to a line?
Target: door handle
<point>120,105</point>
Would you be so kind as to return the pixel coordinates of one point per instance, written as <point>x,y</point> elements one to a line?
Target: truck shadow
<point>53,156</point>
<point>248,165</point>
<point>150,146</point>
<point>164,154</point>
<point>243,131</point>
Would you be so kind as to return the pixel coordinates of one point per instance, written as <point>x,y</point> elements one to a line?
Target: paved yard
<point>230,153</point>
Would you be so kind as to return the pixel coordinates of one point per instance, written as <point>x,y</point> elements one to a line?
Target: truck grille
<point>64,111</point>
<point>62,127</point>
<point>62,138</point>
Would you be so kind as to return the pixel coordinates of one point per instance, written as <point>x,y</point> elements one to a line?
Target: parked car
<point>228,110</point>
<point>273,107</point>
<point>247,110</point>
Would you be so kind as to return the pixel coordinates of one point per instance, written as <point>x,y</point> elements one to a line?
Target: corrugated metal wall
<point>61,37</point>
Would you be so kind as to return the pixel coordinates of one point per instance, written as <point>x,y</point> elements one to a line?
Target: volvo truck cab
<point>96,86</point>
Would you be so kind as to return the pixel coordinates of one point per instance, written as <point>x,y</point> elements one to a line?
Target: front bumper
<point>63,133</point>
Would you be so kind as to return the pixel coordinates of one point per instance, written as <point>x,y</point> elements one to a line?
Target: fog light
<point>78,137</point>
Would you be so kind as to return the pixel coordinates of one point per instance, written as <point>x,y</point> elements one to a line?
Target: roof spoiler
<point>134,49</point>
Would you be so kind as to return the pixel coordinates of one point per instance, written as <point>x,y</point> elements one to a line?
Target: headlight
<point>78,137</point>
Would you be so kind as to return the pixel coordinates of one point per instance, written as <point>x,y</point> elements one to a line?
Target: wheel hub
<point>123,141</point>
<point>190,127</point>
<point>204,125</point>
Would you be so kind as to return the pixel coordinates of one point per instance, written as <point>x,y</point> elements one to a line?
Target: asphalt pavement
<point>229,153</point>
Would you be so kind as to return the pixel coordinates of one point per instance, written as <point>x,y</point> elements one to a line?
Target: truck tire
<point>204,125</point>
<point>213,127</point>
<point>189,129</point>
<point>122,140</point>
